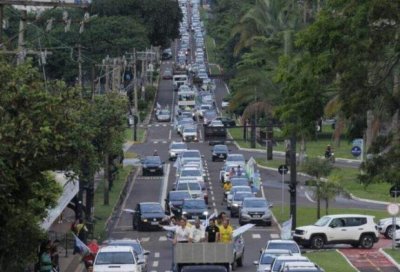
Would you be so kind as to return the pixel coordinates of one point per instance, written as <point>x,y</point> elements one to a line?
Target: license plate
<point>154,223</point>
<point>152,170</point>
<point>221,156</point>
<point>256,216</point>
<point>195,217</point>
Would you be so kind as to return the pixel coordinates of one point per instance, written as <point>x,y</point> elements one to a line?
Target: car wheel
<point>389,232</point>
<point>239,261</point>
<point>367,241</point>
<point>234,264</point>
<point>317,242</point>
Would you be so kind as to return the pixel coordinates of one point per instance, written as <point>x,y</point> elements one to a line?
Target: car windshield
<point>239,182</point>
<point>323,221</point>
<point>241,189</point>
<point>241,196</point>
<point>235,158</point>
<point>194,204</point>
<point>151,208</point>
<point>178,146</point>
<point>135,246</point>
<point>175,196</point>
<point>189,130</point>
<point>289,246</point>
<point>267,258</point>
<point>278,264</point>
<point>164,112</point>
<point>220,148</point>
<point>190,186</point>
<point>255,203</point>
<point>153,159</point>
<point>106,258</point>
<point>191,154</point>
<point>191,173</point>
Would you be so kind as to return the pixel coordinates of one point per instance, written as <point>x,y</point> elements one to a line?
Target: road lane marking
<point>170,135</point>
<point>164,186</point>
<point>256,236</point>
<point>274,235</point>
<point>262,192</point>
<point>213,198</point>
<point>157,255</point>
<point>162,238</point>
<point>144,239</point>
<point>155,264</point>
<point>309,197</point>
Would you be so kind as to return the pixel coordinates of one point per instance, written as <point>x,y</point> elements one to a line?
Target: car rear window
<point>106,258</point>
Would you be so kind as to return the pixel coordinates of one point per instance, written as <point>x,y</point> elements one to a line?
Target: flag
<point>242,229</point>
<point>82,248</point>
<point>286,231</point>
<point>158,106</point>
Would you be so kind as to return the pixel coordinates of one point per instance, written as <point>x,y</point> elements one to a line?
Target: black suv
<point>194,209</point>
<point>148,215</point>
<point>152,165</point>
<point>219,152</point>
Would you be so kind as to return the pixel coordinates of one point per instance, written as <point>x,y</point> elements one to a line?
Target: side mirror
<point>271,205</point>
<point>140,262</point>
<point>146,252</point>
<point>255,262</point>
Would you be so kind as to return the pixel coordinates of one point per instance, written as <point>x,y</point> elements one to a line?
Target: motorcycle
<point>330,157</point>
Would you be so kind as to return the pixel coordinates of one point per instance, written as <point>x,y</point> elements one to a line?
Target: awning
<point>70,189</point>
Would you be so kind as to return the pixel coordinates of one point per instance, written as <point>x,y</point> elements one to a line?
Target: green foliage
<point>317,167</point>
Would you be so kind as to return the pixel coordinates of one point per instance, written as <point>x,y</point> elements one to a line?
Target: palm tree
<point>328,190</point>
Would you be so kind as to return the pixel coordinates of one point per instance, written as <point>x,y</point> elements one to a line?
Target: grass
<point>214,69</point>
<point>102,212</point>
<point>330,261</point>
<point>237,135</point>
<point>140,135</point>
<point>308,215</point>
<point>394,253</point>
<point>270,163</point>
<point>210,45</point>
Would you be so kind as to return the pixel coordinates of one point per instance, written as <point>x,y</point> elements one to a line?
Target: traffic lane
<point>159,133</point>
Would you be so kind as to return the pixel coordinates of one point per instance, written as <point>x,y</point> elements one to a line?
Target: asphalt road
<point>159,135</point>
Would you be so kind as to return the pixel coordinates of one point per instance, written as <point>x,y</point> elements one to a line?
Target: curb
<point>389,258</point>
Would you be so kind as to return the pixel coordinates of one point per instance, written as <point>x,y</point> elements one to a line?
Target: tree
<point>318,168</point>
<point>328,190</point>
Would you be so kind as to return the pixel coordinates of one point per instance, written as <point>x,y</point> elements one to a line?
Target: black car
<point>228,122</point>
<point>152,165</point>
<point>219,152</point>
<point>174,201</point>
<point>148,215</point>
<point>194,209</point>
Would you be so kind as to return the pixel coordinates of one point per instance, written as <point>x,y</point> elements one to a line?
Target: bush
<point>150,93</point>
<point>311,182</point>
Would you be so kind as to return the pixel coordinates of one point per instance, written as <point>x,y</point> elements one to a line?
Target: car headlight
<point>235,205</point>
<point>184,212</point>
<point>160,166</point>
<point>144,219</point>
<point>172,153</point>
<point>205,213</point>
<point>214,154</point>
<point>144,166</point>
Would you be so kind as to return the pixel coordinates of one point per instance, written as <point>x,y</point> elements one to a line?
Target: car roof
<point>277,241</point>
<point>348,215</point>
<point>255,198</point>
<point>293,257</point>
<point>148,203</point>
<point>273,251</point>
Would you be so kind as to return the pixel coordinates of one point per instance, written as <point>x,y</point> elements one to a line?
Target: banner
<point>82,248</point>
<point>286,232</point>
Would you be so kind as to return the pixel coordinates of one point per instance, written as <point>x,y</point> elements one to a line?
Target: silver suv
<point>255,210</point>
<point>354,229</point>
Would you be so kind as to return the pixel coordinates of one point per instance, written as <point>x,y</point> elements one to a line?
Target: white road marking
<point>157,255</point>
<point>212,192</point>
<point>213,198</point>
<point>256,236</point>
<point>164,186</point>
<point>262,192</point>
<point>211,187</point>
<point>170,135</point>
<point>214,205</point>
<point>162,238</point>
<point>309,197</point>
<point>216,211</point>
<point>274,236</point>
<point>145,239</point>
<point>155,264</point>
<point>126,198</point>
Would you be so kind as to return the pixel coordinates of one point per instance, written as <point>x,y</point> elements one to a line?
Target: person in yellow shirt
<point>227,187</point>
<point>225,232</point>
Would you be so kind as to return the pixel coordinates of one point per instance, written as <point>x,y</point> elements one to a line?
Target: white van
<point>178,80</point>
<point>116,258</point>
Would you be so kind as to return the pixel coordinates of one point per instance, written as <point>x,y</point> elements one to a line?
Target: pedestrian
<point>251,184</point>
<point>239,171</point>
<point>182,232</point>
<point>198,233</point>
<point>89,258</point>
<point>54,255</point>
<point>220,219</point>
<point>155,153</point>
<point>212,232</point>
<point>226,231</point>
<point>232,172</point>
<point>45,264</point>
<point>80,231</point>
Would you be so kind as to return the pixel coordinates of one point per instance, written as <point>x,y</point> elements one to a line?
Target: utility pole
<point>21,38</point>
<point>1,25</point>
<point>107,84</point>
<point>106,188</point>
<point>293,181</point>
<point>80,66</point>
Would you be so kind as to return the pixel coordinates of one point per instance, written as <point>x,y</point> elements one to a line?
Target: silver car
<point>175,148</point>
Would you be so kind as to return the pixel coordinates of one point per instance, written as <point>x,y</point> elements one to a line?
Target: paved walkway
<point>371,260</point>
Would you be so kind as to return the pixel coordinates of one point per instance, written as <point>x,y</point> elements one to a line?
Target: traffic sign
<point>283,169</point>
<point>394,191</point>
<point>393,209</point>
<point>356,151</point>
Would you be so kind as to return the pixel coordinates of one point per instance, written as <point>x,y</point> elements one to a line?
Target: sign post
<point>358,148</point>
<point>283,169</point>
<point>393,210</point>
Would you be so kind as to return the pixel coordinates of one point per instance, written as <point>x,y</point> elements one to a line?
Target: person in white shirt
<point>182,232</point>
<point>198,233</point>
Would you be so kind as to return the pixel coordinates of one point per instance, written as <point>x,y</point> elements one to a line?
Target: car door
<point>355,226</point>
<point>337,230</point>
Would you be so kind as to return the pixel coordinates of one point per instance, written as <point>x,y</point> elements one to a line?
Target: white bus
<point>178,80</point>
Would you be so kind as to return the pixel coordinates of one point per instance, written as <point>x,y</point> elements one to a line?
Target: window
<point>115,258</point>
<point>356,221</point>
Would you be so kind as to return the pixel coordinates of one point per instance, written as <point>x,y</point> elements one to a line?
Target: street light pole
<point>293,181</point>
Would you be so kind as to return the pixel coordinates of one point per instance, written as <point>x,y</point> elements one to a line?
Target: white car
<point>354,229</point>
<point>385,227</point>
<point>300,267</point>
<point>235,160</point>
<point>267,257</point>
<point>189,133</point>
<point>194,188</point>
<point>216,123</point>
<point>193,173</point>
<point>290,245</point>
<point>175,148</point>
<point>280,261</point>
<point>110,257</point>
